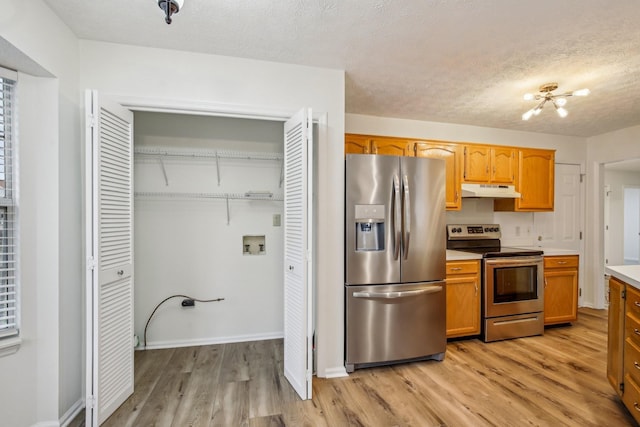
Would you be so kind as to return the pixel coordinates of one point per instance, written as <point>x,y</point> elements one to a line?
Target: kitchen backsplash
<point>517,227</point>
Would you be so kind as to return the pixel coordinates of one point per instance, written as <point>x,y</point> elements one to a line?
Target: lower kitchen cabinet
<point>560,289</point>
<point>463,298</point>
<point>623,347</point>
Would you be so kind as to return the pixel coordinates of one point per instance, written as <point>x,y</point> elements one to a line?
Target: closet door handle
<point>120,272</point>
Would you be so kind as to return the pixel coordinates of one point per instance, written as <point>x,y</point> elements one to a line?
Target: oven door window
<point>515,284</point>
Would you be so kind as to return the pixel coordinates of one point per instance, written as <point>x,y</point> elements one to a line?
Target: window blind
<point>8,229</point>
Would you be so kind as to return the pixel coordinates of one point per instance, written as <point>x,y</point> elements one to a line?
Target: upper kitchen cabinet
<point>489,164</point>
<point>452,155</point>
<point>535,182</point>
<point>391,146</point>
<point>357,144</point>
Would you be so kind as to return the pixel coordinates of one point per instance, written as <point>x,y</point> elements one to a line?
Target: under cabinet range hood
<point>494,191</point>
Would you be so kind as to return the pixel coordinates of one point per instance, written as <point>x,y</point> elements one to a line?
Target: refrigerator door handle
<point>399,294</point>
<point>396,217</point>
<point>407,216</point>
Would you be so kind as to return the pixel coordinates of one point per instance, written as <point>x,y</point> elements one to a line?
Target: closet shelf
<point>217,154</point>
<point>249,195</point>
<point>266,196</point>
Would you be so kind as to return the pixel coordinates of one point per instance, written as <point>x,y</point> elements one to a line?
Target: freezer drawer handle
<point>399,294</point>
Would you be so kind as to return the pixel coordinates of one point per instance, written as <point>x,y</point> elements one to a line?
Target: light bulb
<point>561,102</point>
<point>562,112</point>
<point>581,92</point>
<point>537,111</point>
<point>527,115</point>
<point>528,96</point>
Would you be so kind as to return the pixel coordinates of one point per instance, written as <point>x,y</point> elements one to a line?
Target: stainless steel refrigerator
<point>395,243</point>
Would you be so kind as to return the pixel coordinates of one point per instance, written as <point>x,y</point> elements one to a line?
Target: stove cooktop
<point>501,252</point>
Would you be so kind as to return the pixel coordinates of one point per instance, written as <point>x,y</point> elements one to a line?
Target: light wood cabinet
<point>451,154</point>
<point>357,144</point>
<point>535,182</point>
<point>463,298</point>
<point>503,165</point>
<point>615,339</point>
<point>391,146</point>
<point>623,346</point>
<point>560,289</point>
<point>486,164</point>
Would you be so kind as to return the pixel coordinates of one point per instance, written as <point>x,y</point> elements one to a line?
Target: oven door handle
<point>514,261</point>
<point>398,294</point>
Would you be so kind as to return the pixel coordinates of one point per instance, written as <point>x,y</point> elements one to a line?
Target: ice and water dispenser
<point>369,227</point>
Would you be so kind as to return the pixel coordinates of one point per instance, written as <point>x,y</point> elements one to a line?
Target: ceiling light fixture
<point>170,7</point>
<point>558,101</point>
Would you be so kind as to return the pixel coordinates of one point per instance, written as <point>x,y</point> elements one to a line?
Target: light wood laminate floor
<point>558,379</point>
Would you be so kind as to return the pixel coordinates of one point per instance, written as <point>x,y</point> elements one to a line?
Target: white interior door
<point>298,327</point>
<point>562,228</point>
<point>109,255</point>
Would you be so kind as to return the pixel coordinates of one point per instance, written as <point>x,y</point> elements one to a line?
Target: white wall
<point>186,246</point>
<point>136,75</point>
<point>48,368</point>
<point>607,148</point>
<point>617,180</point>
<point>631,223</point>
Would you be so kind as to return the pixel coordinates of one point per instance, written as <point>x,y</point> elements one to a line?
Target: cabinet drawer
<point>633,302</point>
<point>632,329</point>
<point>631,397</point>
<point>561,261</point>
<point>632,359</point>
<point>462,267</point>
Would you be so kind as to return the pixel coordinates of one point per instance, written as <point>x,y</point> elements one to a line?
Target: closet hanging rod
<point>222,154</point>
<point>266,196</point>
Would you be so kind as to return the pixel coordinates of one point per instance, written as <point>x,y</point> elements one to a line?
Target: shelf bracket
<point>281,173</point>
<point>164,172</point>
<point>218,173</point>
<point>227,199</point>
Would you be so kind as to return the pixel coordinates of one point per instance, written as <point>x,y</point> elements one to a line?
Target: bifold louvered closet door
<point>109,257</point>
<point>298,328</point>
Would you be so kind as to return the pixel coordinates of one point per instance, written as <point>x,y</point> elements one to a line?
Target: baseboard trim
<point>47,424</point>
<point>209,341</point>
<point>72,412</point>
<point>337,372</point>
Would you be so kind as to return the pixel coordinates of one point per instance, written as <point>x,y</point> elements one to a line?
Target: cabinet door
<point>476,163</point>
<point>503,165</point>
<point>357,144</point>
<point>615,334</point>
<point>536,180</point>
<point>451,155</point>
<point>560,296</point>
<point>391,147</point>
<point>463,306</point>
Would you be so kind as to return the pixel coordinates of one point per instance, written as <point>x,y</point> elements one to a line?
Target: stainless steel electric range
<point>512,282</point>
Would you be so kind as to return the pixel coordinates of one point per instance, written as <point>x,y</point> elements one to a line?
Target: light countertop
<point>627,273</point>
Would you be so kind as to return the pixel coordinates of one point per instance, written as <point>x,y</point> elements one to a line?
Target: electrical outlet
<point>276,220</point>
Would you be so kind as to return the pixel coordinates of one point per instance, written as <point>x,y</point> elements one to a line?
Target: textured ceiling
<point>457,61</point>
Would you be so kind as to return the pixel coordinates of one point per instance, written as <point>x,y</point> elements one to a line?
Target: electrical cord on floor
<point>167,299</point>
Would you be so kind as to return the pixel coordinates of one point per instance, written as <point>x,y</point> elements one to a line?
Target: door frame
<point>214,109</point>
